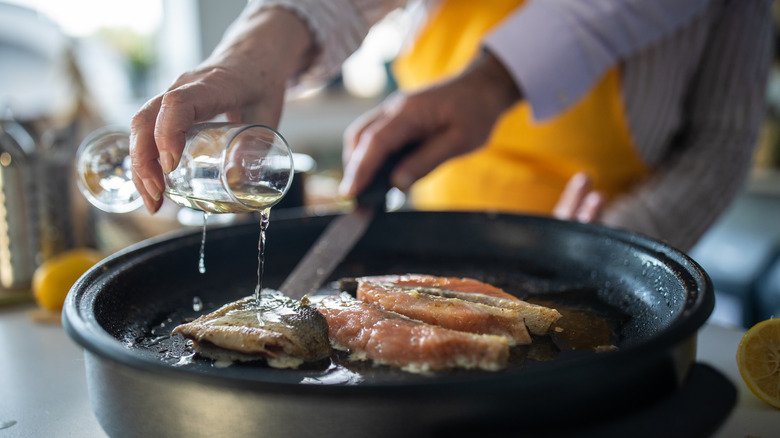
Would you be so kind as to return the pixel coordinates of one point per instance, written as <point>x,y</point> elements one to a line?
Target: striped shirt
<point>693,80</point>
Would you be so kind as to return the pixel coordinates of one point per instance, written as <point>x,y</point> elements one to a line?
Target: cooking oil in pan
<point>589,326</point>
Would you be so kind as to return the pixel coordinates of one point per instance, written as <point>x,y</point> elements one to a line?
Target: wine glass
<point>224,168</point>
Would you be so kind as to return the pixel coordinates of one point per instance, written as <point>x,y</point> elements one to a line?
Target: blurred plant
<point>138,49</point>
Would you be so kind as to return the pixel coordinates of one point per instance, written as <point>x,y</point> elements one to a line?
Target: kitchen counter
<point>43,388</point>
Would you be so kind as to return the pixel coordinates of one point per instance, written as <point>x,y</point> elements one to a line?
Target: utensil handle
<point>374,194</point>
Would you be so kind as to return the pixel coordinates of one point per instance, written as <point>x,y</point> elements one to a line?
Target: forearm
<point>253,43</point>
<point>337,28</point>
<point>707,164</point>
<point>678,203</point>
<point>489,74</point>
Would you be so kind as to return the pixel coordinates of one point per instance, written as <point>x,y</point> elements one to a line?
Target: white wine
<point>259,198</point>
<point>224,168</point>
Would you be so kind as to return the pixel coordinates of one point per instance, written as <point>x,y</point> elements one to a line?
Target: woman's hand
<point>245,79</point>
<point>448,119</point>
<point>578,201</point>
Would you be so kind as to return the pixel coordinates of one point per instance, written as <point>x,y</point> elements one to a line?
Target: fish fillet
<point>537,318</point>
<point>283,331</point>
<point>392,339</point>
<point>449,283</point>
<point>451,313</point>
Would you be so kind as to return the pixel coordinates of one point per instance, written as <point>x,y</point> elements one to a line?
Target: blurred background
<point>67,68</point>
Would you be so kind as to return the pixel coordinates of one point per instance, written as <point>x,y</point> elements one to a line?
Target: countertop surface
<point>43,386</point>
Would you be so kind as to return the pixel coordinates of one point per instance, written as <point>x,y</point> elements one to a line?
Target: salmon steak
<point>284,332</point>
<point>538,319</point>
<point>447,312</point>
<point>388,338</point>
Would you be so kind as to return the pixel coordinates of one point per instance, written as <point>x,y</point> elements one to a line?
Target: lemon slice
<point>758,359</point>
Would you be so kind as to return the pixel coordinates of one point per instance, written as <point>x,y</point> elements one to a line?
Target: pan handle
<point>374,195</point>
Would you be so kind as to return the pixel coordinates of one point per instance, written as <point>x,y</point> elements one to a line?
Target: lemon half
<point>53,278</point>
<point>758,359</point>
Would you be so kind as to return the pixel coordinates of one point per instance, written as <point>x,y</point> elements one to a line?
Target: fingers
<point>355,130</point>
<point>159,129</point>
<point>571,197</point>
<point>245,78</point>
<point>375,146</point>
<point>423,118</point>
<point>591,207</point>
<point>147,175</point>
<point>365,160</point>
<point>578,201</point>
<point>428,156</point>
<point>157,134</point>
<point>183,106</point>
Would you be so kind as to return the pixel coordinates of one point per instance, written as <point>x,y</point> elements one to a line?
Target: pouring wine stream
<point>224,168</point>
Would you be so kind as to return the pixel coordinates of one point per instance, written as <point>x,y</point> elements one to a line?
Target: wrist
<point>490,75</point>
<point>271,40</point>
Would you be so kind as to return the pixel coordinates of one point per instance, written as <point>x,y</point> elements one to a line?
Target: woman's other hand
<point>579,201</point>
<point>447,119</point>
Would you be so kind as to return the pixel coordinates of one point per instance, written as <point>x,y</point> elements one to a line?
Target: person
<point>634,114</point>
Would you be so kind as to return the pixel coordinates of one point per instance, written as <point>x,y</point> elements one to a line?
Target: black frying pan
<point>122,310</point>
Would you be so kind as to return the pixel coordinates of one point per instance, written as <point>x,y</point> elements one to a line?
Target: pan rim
<point>82,326</point>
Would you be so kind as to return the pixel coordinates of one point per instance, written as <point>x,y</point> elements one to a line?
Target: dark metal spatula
<point>341,234</point>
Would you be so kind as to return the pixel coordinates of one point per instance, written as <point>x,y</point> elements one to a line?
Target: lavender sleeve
<point>557,49</point>
<point>338,28</point>
<point>699,171</point>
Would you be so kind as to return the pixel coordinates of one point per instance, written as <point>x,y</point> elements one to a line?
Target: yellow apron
<point>525,165</point>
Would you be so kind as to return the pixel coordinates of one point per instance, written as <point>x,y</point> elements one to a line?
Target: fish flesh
<point>388,338</point>
<point>448,283</point>
<point>537,318</point>
<point>283,331</point>
<point>447,312</point>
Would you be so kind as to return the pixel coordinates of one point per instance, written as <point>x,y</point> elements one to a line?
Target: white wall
<point>189,32</point>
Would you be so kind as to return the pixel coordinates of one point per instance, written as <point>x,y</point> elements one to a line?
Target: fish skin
<point>392,339</point>
<point>287,333</point>
<point>451,313</point>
